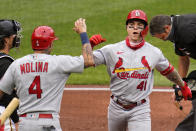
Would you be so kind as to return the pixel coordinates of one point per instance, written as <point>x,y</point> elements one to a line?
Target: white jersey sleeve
<point>163,65</point>
<point>99,57</point>
<point>70,64</point>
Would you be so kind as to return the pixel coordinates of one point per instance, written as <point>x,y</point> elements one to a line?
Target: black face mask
<point>16,42</point>
<point>17,28</point>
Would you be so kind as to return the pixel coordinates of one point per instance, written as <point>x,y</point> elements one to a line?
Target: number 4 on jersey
<point>142,85</point>
<point>35,87</point>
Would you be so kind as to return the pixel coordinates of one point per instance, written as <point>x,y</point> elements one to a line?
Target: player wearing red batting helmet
<point>40,78</point>
<point>130,64</point>
<point>42,37</point>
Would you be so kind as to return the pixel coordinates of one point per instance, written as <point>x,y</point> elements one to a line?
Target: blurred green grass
<point>106,17</point>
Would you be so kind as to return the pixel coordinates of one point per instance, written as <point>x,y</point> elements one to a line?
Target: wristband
<point>84,38</point>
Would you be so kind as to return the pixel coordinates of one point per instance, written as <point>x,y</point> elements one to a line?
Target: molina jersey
<point>39,80</point>
<point>134,81</point>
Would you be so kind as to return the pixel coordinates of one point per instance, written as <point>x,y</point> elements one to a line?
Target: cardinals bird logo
<point>145,63</point>
<point>118,64</point>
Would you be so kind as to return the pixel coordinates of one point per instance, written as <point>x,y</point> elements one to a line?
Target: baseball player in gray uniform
<point>40,78</point>
<point>130,65</point>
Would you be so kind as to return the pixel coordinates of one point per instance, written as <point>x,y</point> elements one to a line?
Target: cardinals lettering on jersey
<point>135,74</point>
<point>34,67</point>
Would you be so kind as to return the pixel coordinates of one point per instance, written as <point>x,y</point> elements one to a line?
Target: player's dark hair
<point>157,24</point>
<point>2,43</point>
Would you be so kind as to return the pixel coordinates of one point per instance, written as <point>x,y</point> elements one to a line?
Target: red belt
<point>40,115</point>
<point>129,106</point>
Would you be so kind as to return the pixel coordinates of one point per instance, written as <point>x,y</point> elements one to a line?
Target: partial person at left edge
<point>9,38</point>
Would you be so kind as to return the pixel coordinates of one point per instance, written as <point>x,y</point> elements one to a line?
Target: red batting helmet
<point>42,37</point>
<point>141,15</point>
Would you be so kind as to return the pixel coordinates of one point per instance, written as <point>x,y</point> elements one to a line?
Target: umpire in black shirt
<point>181,30</point>
<point>9,38</point>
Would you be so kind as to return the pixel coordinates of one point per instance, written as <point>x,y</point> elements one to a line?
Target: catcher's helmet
<point>42,37</point>
<point>139,15</point>
<point>10,27</point>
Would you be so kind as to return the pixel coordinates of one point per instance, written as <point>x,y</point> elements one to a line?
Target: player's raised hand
<point>80,26</point>
<point>186,92</point>
<point>96,40</point>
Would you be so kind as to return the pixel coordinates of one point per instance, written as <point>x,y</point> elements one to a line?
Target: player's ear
<point>6,39</point>
<point>167,28</point>
<point>50,48</point>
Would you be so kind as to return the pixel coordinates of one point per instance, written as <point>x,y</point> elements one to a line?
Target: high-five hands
<point>80,26</point>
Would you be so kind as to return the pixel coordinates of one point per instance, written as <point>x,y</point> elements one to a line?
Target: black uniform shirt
<point>183,35</point>
<point>5,61</point>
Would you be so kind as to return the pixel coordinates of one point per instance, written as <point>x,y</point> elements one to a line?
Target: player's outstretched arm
<point>80,28</point>
<point>175,77</point>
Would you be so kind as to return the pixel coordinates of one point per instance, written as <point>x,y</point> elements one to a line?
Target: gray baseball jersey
<point>136,82</point>
<point>39,80</point>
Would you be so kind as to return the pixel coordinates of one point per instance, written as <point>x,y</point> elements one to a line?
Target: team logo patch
<point>137,13</point>
<point>145,63</point>
<point>37,43</point>
<point>118,64</point>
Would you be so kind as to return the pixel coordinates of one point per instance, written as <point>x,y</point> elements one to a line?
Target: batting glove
<point>186,92</point>
<point>96,40</point>
<point>178,93</point>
